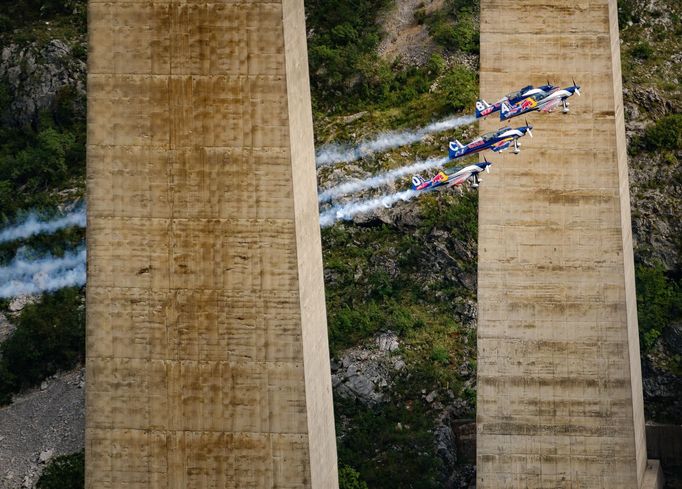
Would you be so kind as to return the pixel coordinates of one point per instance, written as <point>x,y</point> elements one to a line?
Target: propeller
<point>487,168</point>
<point>576,89</point>
<point>528,129</point>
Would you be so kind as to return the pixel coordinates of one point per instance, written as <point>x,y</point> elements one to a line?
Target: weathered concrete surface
<point>653,476</point>
<point>559,380</point>
<point>207,357</point>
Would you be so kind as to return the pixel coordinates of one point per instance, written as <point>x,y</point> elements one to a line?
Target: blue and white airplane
<point>484,109</point>
<point>496,141</point>
<point>542,102</point>
<point>452,177</point>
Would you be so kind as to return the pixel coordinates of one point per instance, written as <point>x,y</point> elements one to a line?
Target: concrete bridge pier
<point>207,357</point>
<point>559,380</point>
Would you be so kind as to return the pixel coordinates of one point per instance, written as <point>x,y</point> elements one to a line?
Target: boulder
<point>45,456</point>
<point>387,341</point>
<point>366,372</point>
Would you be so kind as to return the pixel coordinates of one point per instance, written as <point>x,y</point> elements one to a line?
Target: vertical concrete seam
<point>632,322</point>
<point>296,231</point>
<point>317,372</point>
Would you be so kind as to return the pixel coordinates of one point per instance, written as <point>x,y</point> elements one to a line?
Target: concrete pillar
<point>559,380</point>
<point>207,357</point>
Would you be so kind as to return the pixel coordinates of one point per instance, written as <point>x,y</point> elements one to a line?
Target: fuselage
<point>511,98</point>
<point>542,101</point>
<point>497,141</point>
<point>456,177</point>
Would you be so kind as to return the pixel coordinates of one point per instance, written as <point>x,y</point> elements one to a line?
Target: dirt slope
<point>41,424</point>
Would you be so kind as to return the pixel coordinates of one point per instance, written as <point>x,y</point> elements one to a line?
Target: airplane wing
<point>459,180</point>
<point>551,105</point>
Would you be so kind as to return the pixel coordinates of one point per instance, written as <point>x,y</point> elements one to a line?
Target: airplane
<point>452,177</point>
<point>541,102</point>
<point>496,141</point>
<point>484,109</point>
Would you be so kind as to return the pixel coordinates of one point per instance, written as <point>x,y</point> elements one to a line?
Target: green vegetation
<point>381,277</point>
<point>65,472</point>
<point>55,244</point>
<point>347,75</point>
<point>642,50</point>
<point>349,478</point>
<point>651,34</point>
<point>38,161</point>
<point>454,28</point>
<point>659,300</point>
<point>341,51</point>
<point>665,134</point>
<point>50,336</point>
<point>391,445</point>
<point>26,21</point>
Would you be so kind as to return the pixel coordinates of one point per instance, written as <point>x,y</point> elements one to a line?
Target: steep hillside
<point>651,53</point>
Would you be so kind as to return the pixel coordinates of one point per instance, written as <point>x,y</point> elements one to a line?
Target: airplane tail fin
<point>454,149</point>
<point>481,106</point>
<point>505,111</point>
<point>417,180</point>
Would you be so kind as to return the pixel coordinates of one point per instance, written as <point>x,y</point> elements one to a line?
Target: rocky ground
<point>406,39</point>
<point>39,425</point>
<point>36,75</point>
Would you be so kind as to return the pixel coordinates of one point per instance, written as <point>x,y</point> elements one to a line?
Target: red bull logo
<point>440,177</point>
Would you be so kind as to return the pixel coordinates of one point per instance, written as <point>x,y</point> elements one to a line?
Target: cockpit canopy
<point>518,93</point>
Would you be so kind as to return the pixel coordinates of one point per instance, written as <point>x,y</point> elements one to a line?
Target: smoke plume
<point>347,211</point>
<point>381,179</point>
<point>29,276</point>
<point>334,153</point>
<point>33,225</point>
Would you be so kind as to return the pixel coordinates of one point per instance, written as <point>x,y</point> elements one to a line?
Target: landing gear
<point>475,182</point>
<point>517,150</point>
<point>565,107</point>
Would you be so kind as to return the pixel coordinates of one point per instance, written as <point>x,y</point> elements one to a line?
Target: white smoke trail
<point>381,179</point>
<point>32,225</point>
<point>26,276</point>
<point>334,153</point>
<point>349,210</point>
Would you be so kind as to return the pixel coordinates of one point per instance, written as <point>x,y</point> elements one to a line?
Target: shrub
<point>436,64</point>
<point>50,336</point>
<point>65,472</point>
<point>460,88</point>
<point>627,12</point>
<point>642,50</point>
<point>391,445</point>
<point>341,34</point>
<point>466,34</point>
<point>665,134</point>
<point>444,34</point>
<point>349,478</point>
<point>440,354</point>
<point>659,299</point>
